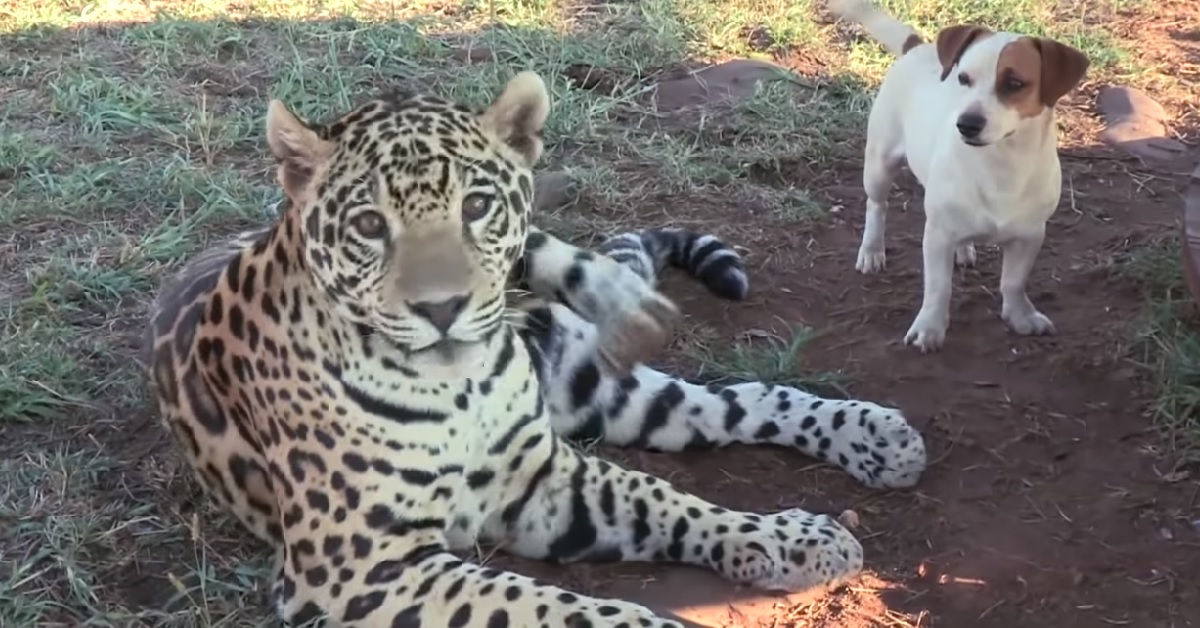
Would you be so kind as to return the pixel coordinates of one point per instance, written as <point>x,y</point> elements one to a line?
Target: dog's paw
<point>870,260</point>
<point>927,333</point>
<point>637,323</point>
<point>643,335</point>
<point>965,255</point>
<point>1031,323</point>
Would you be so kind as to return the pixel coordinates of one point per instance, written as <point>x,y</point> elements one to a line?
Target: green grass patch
<point>1171,344</point>
<point>764,357</point>
<point>1175,356</point>
<point>56,554</point>
<point>77,552</point>
<point>37,367</point>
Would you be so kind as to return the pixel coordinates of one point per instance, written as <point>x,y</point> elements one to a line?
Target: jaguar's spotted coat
<point>356,386</point>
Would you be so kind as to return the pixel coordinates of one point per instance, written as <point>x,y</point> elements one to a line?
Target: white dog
<point>973,116</point>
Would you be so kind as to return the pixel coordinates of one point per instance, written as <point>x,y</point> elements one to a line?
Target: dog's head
<point>1004,80</point>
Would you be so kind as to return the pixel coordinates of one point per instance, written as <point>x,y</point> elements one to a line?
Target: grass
<point>1171,345</point>
<point>133,138</point>
<point>765,357</point>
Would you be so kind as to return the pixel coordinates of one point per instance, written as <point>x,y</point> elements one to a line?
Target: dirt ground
<point>1047,503</point>
<point>1049,500</point>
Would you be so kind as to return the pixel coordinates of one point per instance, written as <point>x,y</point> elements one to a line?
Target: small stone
<point>552,190</point>
<point>1118,101</point>
<point>727,83</point>
<point>1136,123</point>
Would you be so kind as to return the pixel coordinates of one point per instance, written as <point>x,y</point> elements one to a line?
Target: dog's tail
<point>895,35</point>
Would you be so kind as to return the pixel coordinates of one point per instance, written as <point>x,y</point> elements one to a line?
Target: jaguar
<point>401,366</point>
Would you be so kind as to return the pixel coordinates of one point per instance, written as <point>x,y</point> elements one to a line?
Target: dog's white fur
<point>1001,189</point>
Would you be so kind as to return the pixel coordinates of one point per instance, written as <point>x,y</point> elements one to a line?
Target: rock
<point>552,190</point>
<point>727,82</point>
<point>1136,123</point>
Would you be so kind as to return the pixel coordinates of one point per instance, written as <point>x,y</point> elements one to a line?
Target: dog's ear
<point>953,41</point>
<point>1063,68</point>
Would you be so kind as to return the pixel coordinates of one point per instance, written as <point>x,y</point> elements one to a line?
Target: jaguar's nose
<point>441,313</point>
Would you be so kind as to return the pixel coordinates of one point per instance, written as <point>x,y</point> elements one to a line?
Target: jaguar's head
<point>414,209</point>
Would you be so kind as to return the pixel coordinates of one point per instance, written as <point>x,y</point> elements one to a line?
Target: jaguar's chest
<point>435,442</point>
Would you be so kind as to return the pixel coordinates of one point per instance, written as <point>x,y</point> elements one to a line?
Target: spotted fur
<point>648,251</point>
<point>652,410</point>
<point>362,388</point>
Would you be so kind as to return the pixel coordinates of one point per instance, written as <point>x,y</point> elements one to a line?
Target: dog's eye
<point>963,79</point>
<point>476,206</point>
<point>1013,85</point>
<point>369,224</point>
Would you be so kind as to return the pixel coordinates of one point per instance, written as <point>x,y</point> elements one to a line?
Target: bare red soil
<point>1049,501</point>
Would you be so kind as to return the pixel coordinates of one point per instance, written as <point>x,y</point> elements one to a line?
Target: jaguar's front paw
<point>795,551</point>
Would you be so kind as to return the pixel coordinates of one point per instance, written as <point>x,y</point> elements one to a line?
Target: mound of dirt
<point>1136,123</point>
<point>552,190</point>
<point>724,83</point>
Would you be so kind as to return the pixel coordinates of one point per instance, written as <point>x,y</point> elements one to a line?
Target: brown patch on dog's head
<point>953,41</point>
<point>913,41</point>
<point>1019,78</point>
<point>1032,74</point>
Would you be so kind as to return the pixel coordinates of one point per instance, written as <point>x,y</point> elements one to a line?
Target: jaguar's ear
<point>518,116</point>
<point>297,148</point>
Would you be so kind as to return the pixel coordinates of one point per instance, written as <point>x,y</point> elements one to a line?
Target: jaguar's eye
<point>369,224</point>
<point>476,206</point>
<point>964,80</point>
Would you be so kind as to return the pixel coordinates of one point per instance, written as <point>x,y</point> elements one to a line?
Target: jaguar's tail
<point>701,255</point>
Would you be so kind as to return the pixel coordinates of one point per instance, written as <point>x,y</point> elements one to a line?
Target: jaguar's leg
<point>653,410</point>
<point>355,555</point>
<point>584,508</point>
<point>432,587</point>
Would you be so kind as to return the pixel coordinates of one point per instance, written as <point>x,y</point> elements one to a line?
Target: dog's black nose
<point>442,314</point>
<point>971,125</point>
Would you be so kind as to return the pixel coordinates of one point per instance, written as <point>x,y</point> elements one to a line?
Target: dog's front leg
<point>879,169</point>
<point>928,330</point>
<point>1017,310</point>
